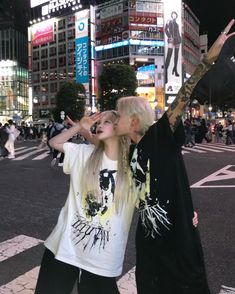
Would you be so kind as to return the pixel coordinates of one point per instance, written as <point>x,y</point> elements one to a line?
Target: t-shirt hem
<point>82,266</point>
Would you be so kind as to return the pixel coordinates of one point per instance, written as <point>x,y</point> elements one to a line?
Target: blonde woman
<point>89,240</point>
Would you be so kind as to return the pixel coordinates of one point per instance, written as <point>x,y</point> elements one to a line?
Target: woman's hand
<point>88,121</point>
<point>215,49</point>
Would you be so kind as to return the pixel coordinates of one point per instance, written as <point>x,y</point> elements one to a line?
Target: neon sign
<point>130,42</point>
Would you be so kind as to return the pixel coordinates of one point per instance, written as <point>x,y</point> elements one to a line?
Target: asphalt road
<point>32,194</point>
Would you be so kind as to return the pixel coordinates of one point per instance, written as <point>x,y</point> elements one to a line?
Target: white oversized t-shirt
<point>91,235</point>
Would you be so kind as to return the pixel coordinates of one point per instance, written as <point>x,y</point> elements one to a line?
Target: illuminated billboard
<point>82,47</point>
<point>173,47</point>
<point>42,33</point>
<point>34,3</point>
<point>146,75</point>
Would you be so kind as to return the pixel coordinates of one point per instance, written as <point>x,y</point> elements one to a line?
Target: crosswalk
<point>209,148</point>
<point>25,283</point>
<point>35,153</point>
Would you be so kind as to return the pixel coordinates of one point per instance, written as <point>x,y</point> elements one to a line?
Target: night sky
<point>213,15</point>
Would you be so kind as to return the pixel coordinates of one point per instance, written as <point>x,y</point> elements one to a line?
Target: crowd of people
<point>42,133</point>
<point>200,130</point>
<point>196,131</point>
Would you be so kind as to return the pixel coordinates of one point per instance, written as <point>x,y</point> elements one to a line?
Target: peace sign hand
<point>88,121</point>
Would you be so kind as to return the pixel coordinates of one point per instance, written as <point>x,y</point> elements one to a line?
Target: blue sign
<point>82,60</point>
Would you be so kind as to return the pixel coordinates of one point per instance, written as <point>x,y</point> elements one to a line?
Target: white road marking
<point>207,148</point>
<point>193,150</point>
<point>222,174</point>
<point>184,152</point>
<point>222,148</point>
<point>227,290</point>
<point>24,284</point>
<point>16,245</point>
<point>126,284</point>
<point>28,154</point>
<point>41,156</point>
<point>19,148</point>
<point>25,150</point>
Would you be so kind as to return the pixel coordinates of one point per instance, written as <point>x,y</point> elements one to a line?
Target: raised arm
<point>86,122</point>
<point>175,111</point>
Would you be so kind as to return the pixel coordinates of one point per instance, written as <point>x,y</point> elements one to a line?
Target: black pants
<point>55,153</point>
<point>160,270</point>
<point>56,277</point>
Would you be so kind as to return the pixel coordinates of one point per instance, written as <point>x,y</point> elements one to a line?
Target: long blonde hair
<point>140,107</point>
<point>90,181</point>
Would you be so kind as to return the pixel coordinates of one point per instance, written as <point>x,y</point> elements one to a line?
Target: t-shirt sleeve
<point>75,154</point>
<point>71,153</point>
<point>162,133</point>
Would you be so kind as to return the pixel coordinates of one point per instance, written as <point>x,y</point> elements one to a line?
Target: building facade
<point>138,33</point>
<point>60,50</point>
<point>134,32</point>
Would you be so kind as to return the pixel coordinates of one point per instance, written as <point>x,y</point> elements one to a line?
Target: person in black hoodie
<point>169,256</point>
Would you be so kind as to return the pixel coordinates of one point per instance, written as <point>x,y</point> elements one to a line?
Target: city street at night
<point>32,194</point>
<point>117,74</point>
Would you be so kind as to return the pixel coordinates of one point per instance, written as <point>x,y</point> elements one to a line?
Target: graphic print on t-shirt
<point>94,229</point>
<point>151,213</point>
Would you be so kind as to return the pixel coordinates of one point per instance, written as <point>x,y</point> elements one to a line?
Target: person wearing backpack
<point>56,129</point>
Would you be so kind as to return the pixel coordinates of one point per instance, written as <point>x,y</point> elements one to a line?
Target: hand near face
<point>88,121</point>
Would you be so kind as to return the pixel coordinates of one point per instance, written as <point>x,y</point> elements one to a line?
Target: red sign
<point>42,33</point>
<point>143,20</point>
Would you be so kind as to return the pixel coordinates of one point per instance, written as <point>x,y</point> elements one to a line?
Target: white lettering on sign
<point>53,4</point>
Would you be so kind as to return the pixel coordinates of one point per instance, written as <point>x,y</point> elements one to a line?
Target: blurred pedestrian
<point>12,135</point>
<point>229,133</point>
<point>56,129</point>
<point>189,142</point>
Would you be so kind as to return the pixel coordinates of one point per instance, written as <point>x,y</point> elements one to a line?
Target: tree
<point>71,98</point>
<point>115,81</point>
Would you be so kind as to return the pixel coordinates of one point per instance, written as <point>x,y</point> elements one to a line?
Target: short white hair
<point>138,106</point>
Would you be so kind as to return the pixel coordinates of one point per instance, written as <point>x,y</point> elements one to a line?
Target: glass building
<point>13,75</point>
